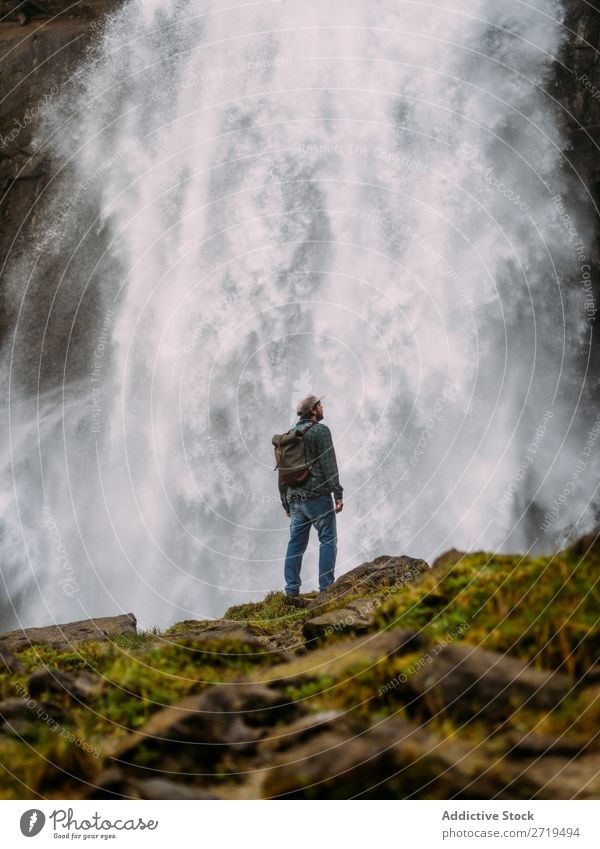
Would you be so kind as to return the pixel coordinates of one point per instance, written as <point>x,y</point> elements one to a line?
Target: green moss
<point>543,610</point>
<point>307,689</point>
<point>188,625</point>
<point>85,656</point>
<point>43,759</point>
<point>136,641</point>
<point>274,610</point>
<point>141,683</point>
<point>578,716</point>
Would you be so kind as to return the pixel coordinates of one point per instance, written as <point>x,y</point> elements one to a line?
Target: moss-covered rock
<point>63,636</point>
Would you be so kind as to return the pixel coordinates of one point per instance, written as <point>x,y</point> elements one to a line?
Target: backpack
<point>290,460</point>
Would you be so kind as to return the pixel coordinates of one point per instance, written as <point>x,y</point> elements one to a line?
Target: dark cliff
<point>41,46</point>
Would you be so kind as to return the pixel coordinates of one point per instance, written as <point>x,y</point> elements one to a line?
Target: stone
<point>447,560</point>
<point>194,640</point>
<point>9,663</point>
<point>585,544</point>
<point>529,744</point>
<point>589,676</point>
<point>161,788</point>
<point>355,618</point>
<point>114,783</point>
<point>79,686</point>
<point>384,571</point>
<point>473,682</point>
<point>283,737</point>
<point>334,658</point>
<point>590,694</point>
<point>553,777</point>
<point>204,727</point>
<point>394,759</point>
<point>63,636</point>
<point>398,759</point>
<point>18,715</point>
<point>401,761</point>
<point>207,626</point>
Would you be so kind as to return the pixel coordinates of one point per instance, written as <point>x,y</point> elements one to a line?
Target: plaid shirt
<point>319,451</point>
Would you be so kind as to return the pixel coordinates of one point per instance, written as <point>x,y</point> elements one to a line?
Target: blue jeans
<point>304,513</point>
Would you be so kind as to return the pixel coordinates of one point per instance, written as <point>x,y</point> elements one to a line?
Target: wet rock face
<point>15,13</point>
<point>42,44</point>
<point>576,88</point>
<point>37,60</point>
<point>578,84</point>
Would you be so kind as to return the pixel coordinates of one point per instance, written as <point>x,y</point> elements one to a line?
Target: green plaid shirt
<point>324,476</point>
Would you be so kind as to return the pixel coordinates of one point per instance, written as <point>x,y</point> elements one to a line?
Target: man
<point>311,503</point>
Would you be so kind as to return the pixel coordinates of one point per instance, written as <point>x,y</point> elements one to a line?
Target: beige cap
<point>305,405</point>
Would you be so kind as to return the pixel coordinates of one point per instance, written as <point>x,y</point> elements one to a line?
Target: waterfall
<point>367,201</point>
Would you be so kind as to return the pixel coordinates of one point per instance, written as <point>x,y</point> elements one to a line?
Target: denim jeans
<point>304,513</point>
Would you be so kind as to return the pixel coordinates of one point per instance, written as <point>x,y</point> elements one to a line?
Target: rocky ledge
<point>476,678</point>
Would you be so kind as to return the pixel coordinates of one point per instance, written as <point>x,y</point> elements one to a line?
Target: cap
<point>305,405</point>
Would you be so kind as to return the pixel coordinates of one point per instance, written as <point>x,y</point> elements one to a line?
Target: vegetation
<point>543,610</point>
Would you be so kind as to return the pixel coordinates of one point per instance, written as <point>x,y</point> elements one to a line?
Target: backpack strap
<point>306,428</point>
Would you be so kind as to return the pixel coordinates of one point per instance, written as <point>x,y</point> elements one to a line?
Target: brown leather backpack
<point>290,460</point>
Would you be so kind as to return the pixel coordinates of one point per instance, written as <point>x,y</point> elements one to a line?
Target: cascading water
<point>259,201</point>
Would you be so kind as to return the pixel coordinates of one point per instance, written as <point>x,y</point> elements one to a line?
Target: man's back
<point>320,453</point>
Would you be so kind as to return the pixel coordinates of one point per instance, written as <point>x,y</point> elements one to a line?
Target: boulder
<point>473,682</point>
<point>283,737</point>
<point>204,727</point>
<point>384,571</point>
<point>63,636</point>
<point>529,744</point>
<point>553,777</point>
<point>590,676</point>
<point>355,618</point>
<point>394,759</point>
<point>259,648</point>
<point>9,663</point>
<point>207,626</point>
<point>115,784</point>
<point>447,560</point>
<point>585,544</point>
<point>335,658</point>
<point>397,759</point>
<point>18,715</point>
<point>79,686</point>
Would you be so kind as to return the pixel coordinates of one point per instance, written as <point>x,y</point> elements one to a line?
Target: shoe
<point>296,601</point>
